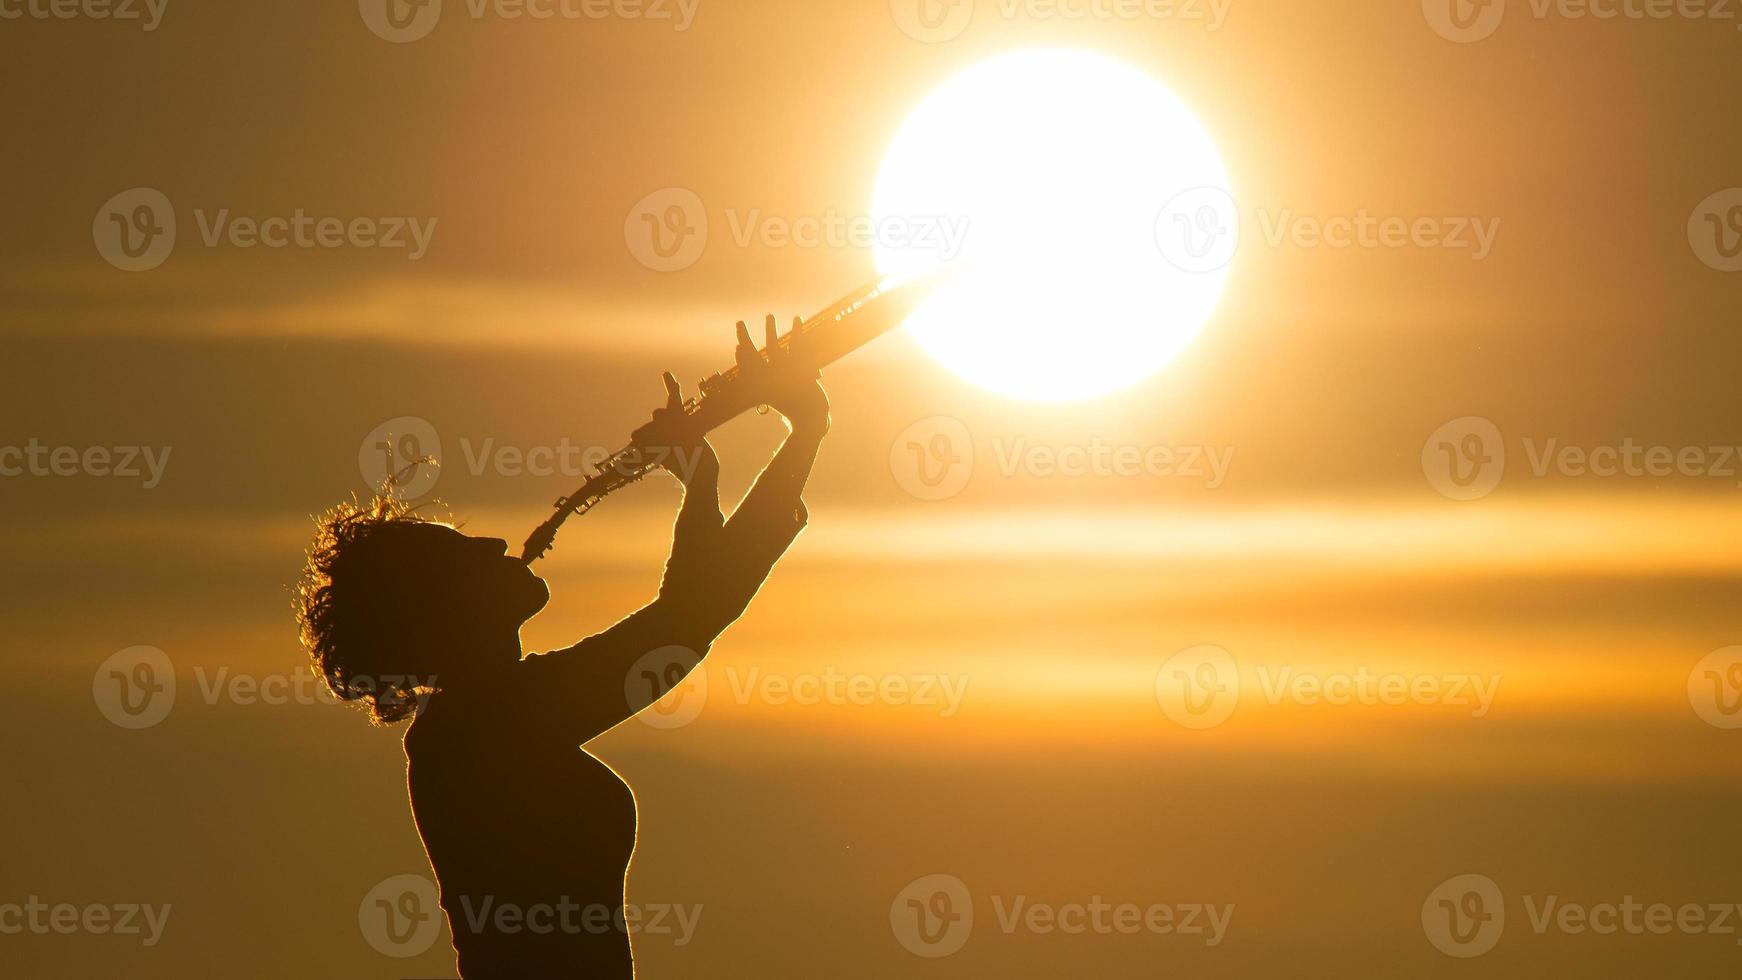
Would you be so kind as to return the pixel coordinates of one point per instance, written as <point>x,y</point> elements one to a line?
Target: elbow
<point>692,618</point>
<point>702,619</point>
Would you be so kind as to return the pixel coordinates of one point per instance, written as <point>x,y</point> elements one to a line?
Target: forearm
<point>778,491</point>
<point>716,569</point>
<point>700,512</point>
<point>696,535</point>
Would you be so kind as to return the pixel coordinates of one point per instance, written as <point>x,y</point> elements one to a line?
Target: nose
<point>495,546</point>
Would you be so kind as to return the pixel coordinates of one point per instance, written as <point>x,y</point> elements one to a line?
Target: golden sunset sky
<point>1594,317</point>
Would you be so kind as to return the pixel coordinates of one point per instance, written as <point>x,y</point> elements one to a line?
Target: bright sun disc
<point>1070,179</point>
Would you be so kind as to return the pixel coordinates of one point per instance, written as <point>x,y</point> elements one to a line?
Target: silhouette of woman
<point>530,836</point>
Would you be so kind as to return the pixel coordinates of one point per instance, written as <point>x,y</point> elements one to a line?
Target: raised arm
<point>716,566</point>
<point>775,500</point>
<point>593,684</point>
<point>716,570</point>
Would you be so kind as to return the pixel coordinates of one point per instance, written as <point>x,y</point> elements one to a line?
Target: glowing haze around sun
<point>1066,173</point>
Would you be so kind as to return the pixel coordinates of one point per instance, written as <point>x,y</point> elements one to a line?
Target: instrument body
<point>852,321</point>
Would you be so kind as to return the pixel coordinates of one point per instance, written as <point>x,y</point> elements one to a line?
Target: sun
<point>1086,223</point>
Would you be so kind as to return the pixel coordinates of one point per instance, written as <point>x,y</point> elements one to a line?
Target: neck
<point>475,659</point>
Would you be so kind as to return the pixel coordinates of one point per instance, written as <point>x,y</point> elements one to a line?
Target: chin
<point>537,596</point>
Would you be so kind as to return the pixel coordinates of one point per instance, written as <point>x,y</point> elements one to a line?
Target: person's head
<point>393,604</point>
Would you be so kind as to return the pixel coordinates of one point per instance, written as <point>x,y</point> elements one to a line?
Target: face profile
<point>472,571</point>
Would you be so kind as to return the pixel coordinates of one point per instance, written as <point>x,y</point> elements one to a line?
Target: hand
<point>793,392</point>
<point>671,440</point>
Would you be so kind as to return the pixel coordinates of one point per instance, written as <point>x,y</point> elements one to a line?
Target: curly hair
<point>351,572</point>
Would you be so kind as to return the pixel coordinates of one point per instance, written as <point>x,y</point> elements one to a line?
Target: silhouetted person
<point>417,620</point>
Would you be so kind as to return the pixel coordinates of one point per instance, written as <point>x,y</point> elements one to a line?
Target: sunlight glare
<point>1061,163</point>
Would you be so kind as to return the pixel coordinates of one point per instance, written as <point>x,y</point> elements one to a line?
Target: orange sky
<point>1322,547</point>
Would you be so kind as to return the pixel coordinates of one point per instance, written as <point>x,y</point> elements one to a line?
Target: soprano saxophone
<point>846,325</point>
